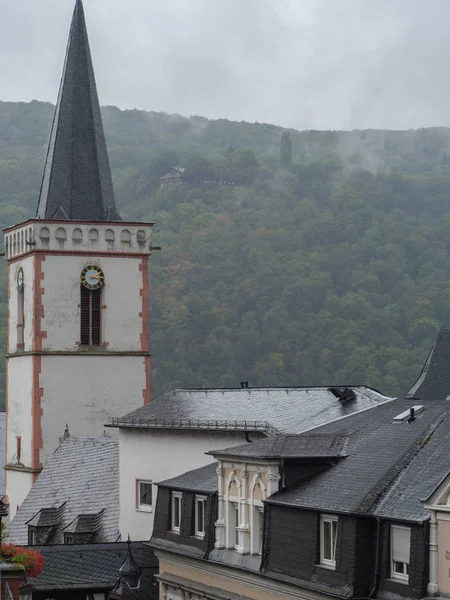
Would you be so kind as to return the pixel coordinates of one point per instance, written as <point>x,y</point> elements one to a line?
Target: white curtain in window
<point>401,543</point>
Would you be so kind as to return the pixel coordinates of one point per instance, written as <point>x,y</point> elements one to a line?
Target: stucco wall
<point>158,455</point>
<point>18,485</point>
<point>20,379</point>
<point>84,391</point>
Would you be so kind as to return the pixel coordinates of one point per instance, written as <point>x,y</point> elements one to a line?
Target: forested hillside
<point>331,269</point>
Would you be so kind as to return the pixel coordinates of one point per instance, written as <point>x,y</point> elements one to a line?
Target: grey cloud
<point>323,64</point>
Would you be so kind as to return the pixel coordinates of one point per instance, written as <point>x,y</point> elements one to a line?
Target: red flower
<point>32,560</point>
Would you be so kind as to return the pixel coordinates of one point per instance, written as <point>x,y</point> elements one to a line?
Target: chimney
<point>411,417</point>
<point>244,385</point>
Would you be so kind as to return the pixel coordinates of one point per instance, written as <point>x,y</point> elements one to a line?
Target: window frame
<point>331,520</point>
<point>139,506</point>
<point>397,576</point>
<point>200,500</point>
<point>176,496</point>
<point>32,535</point>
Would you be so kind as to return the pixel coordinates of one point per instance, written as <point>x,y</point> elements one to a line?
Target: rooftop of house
<point>78,487</point>
<point>433,382</point>
<point>307,445</point>
<point>203,479</point>
<point>95,567</point>
<point>272,411</point>
<point>380,452</point>
<point>392,458</point>
<point>77,182</point>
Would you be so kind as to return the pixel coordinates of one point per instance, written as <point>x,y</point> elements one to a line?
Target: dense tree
<point>332,272</point>
<point>286,151</point>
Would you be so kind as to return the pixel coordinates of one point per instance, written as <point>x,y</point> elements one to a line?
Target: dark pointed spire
<point>77,181</point>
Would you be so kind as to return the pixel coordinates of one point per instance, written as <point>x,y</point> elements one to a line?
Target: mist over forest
<point>320,260</point>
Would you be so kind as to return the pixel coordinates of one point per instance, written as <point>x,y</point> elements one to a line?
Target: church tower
<point>77,349</point>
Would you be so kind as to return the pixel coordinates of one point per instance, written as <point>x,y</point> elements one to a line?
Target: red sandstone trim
<point>143,267</point>
<point>6,375</point>
<point>86,253</point>
<point>37,392</point>
<point>146,392</point>
<point>37,442</point>
<point>71,222</point>
<point>38,306</point>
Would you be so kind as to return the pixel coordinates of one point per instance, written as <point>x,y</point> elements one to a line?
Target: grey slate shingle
<point>307,445</point>
<point>273,410</point>
<point>434,381</point>
<point>203,479</point>
<point>77,180</point>
<point>84,473</point>
<point>379,451</point>
<point>92,566</point>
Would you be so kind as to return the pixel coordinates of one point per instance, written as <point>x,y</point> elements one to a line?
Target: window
<point>144,495</point>
<point>328,537</point>
<point>400,549</point>
<point>176,511</point>
<point>20,309</point>
<point>233,525</point>
<point>31,536</point>
<point>90,316</point>
<point>69,539</point>
<point>257,529</point>
<point>200,504</point>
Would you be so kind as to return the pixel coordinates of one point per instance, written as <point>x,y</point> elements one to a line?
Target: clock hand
<point>98,276</point>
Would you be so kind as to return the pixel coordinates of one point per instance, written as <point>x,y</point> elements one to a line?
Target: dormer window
<point>32,536</point>
<point>176,511</point>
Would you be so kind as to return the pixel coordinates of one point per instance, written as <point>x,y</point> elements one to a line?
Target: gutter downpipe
<point>377,560</point>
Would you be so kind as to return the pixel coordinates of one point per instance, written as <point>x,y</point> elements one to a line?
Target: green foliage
<point>286,151</point>
<point>333,271</point>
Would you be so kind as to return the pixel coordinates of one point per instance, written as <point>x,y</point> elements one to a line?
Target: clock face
<point>20,279</point>
<point>92,277</point>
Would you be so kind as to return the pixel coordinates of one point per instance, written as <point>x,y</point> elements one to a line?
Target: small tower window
<point>92,279</point>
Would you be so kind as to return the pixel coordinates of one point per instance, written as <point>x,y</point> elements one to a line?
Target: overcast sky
<point>321,64</point>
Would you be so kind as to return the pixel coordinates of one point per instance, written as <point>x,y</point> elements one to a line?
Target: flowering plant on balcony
<point>31,560</point>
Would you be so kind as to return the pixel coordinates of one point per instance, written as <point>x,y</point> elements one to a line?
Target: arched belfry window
<point>20,309</point>
<point>92,280</point>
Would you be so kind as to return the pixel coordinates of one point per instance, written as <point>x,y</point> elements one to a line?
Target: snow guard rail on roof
<point>263,426</point>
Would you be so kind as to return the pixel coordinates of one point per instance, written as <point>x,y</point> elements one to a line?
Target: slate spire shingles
<point>77,181</point>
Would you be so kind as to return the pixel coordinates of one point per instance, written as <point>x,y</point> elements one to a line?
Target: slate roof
<point>77,182</point>
<point>203,479</point>
<point>271,410</point>
<point>434,380</point>
<point>378,453</point>
<point>310,445</point>
<point>93,567</point>
<point>84,474</point>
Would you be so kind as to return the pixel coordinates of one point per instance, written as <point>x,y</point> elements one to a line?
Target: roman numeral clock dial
<point>92,277</point>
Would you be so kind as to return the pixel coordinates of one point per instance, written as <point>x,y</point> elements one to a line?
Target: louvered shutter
<point>96,294</point>
<point>401,543</point>
<point>84,315</point>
